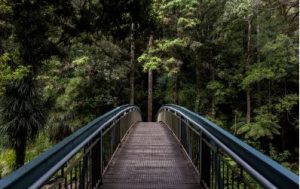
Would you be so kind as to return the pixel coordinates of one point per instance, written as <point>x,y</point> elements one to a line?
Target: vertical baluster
<point>179,137</point>
<point>238,178</point>
<point>200,155</point>
<point>212,171</point>
<point>188,141</point>
<point>191,144</point>
<point>119,133</point>
<point>79,172</point>
<point>83,171</point>
<point>214,157</point>
<point>71,181</point>
<point>227,176</point>
<point>87,171</point>
<point>76,176</point>
<point>223,171</point>
<point>62,176</point>
<point>176,125</point>
<point>101,154</point>
<point>218,169</point>
<point>171,123</point>
<point>96,162</point>
<point>232,178</point>
<point>112,141</point>
<point>65,176</point>
<point>206,164</point>
<point>241,175</point>
<point>94,165</point>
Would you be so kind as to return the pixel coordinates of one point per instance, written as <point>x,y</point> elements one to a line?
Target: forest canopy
<point>65,62</point>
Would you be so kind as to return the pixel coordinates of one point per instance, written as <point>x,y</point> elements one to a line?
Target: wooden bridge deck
<point>150,157</point>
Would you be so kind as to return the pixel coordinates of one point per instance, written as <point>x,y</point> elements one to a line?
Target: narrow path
<point>150,157</point>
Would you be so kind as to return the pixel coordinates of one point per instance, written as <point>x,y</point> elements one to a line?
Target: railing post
<point>112,140</point>
<point>179,129</point>
<point>218,168</point>
<point>118,134</point>
<point>96,162</point>
<point>200,155</point>
<point>182,133</point>
<point>62,176</point>
<point>188,141</point>
<point>206,164</point>
<point>83,170</point>
<point>101,154</point>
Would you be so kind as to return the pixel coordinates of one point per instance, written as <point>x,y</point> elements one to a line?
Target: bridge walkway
<point>150,157</point>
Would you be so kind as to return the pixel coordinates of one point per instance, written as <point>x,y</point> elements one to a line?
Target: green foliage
<point>45,68</point>
<point>206,70</point>
<point>280,157</point>
<point>169,46</point>
<point>281,56</point>
<point>265,125</point>
<point>7,162</point>
<point>285,158</point>
<point>96,69</point>
<point>257,74</point>
<point>287,103</point>
<point>216,121</point>
<point>236,8</point>
<point>164,55</point>
<point>8,73</point>
<point>219,91</point>
<point>41,144</point>
<point>150,62</point>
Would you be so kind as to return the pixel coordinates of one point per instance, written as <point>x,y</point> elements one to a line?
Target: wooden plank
<point>150,157</point>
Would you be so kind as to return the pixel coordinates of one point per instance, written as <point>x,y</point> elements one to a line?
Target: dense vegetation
<point>65,62</point>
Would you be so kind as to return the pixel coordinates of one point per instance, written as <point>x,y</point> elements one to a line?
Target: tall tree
<point>248,61</point>
<point>23,110</point>
<point>132,62</point>
<point>150,86</point>
<point>41,29</point>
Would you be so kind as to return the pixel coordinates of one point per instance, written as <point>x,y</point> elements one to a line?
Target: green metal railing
<point>221,159</point>
<point>80,160</point>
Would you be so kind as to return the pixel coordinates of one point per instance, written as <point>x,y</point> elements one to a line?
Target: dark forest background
<point>65,62</point>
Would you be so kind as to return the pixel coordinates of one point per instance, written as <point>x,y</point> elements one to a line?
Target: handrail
<point>38,171</point>
<point>264,170</point>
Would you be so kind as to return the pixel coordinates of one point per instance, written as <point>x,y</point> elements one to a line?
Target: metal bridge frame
<point>222,160</point>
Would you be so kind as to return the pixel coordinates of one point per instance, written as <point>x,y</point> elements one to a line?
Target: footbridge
<point>181,150</point>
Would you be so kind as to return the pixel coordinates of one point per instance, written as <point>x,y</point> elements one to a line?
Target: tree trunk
<point>197,100</point>
<point>212,70</point>
<point>176,96</point>
<point>20,151</point>
<point>248,93</point>
<point>248,115</point>
<point>284,127</point>
<point>132,54</point>
<point>259,93</point>
<point>258,59</point>
<point>269,95</point>
<point>150,78</point>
